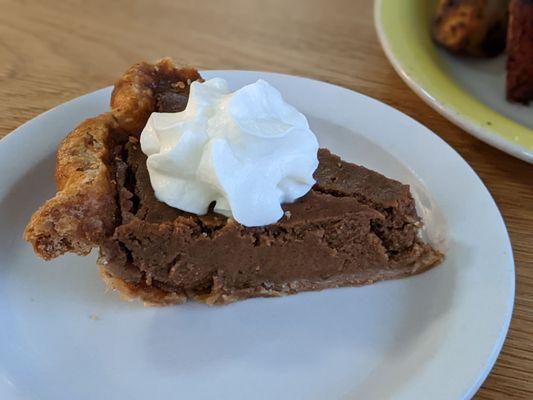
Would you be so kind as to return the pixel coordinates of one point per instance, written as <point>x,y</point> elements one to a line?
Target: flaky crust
<point>149,295</point>
<point>135,94</point>
<point>82,213</point>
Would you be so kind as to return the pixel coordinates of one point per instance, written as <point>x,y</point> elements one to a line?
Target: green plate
<point>471,93</point>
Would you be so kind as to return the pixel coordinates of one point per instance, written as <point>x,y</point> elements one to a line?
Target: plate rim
<point>434,99</point>
<point>503,329</point>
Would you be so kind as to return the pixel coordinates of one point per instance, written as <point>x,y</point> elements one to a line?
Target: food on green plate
<point>471,27</point>
<point>484,28</point>
<point>520,51</point>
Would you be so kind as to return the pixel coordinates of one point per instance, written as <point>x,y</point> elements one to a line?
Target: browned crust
<point>135,93</point>
<point>150,295</point>
<point>520,51</point>
<point>82,212</point>
<point>472,27</point>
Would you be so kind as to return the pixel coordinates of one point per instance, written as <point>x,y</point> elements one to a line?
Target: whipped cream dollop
<point>248,151</point>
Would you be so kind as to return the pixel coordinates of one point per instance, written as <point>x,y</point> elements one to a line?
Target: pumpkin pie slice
<point>354,227</point>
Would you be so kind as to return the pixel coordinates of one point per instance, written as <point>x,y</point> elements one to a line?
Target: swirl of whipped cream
<point>247,151</point>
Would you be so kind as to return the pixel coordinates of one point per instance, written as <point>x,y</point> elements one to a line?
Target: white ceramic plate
<point>434,336</point>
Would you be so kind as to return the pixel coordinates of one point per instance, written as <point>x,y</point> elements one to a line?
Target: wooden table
<point>50,53</point>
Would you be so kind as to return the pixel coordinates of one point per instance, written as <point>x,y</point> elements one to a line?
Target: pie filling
<point>354,227</point>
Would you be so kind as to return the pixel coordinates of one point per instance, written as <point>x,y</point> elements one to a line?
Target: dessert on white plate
<point>213,208</point>
<point>397,339</point>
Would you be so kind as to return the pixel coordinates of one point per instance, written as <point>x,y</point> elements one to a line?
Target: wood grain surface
<point>53,51</point>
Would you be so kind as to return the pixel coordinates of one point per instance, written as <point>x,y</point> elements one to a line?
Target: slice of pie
<point>354,227</point>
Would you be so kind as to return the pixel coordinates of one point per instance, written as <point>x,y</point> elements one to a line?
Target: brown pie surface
<point>354,227</point>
